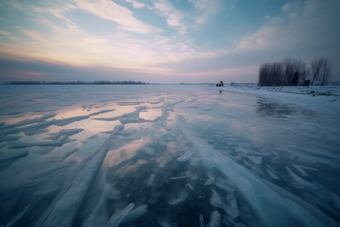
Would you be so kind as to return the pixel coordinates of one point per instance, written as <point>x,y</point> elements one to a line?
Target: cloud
<point>135,4</point>
<point>2,32</point>
<point>173,17</point>
<point>107,9</point>
<point>35,35</point>
<point>206,9</point>
<point>285,7</point>
<point>267,17</point>
<point>295,33</point>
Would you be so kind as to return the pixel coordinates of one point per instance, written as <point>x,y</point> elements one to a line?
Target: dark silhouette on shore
<point>292,72</point>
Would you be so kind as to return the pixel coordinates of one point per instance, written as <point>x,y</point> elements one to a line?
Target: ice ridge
<point>66,208</point>
<point>262,199</point>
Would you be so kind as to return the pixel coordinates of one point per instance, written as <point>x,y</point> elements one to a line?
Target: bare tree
<point>276,70</point>
<point>325,71</point>
<point>316,65</point>
<point>264,73</point>
<point>294,71</point>
<point>304,72</point>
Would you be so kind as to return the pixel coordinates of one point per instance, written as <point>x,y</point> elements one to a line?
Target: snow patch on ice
<point>110,192</point>
<point>148,150</point>
<point>300,170</point>
<point>186,156</point>
<point>211,179</point>
<point>119,216</point>
<point>181,197</point>
<point>189,186</point>
<point>135,214</point>
<point>215,219</point>
<point>261,198</point>
<point>191,175</point>
<point>149,182</point>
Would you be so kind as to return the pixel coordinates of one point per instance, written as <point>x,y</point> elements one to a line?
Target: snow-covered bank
<point>323,98</point>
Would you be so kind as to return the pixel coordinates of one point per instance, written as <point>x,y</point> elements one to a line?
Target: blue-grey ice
<point>180,198</point>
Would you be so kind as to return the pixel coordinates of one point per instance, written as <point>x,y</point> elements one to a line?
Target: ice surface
<point>225,185</point>
<point>99,216</point>
<point>194,161</point>
<point>124,169</point>
<point>335,200</point>
<point>66,208</point>
<point>178,177</point>
<point>186,156</point>
<point>47,171</point>
<point>181,197</point>
<point>102,111</point>
<point>127,118</point>
<point>150,180</point>
<point>211,179</point>
<point>162,165</point>
<point>44,150</point>
<point>16,218</point>
<point>259,196</point>
<point>215,200</point>
<point>215,219</point>
<point>191,175</point>
<point>165,224</point>
<point>118,216</point>
<point>41,124</point>
<point>254,159</point>
<point>135,214</point>
<point>71,196</point>
<point>9,138</point>
<point>26,122</point>
<point>62,157</point>
<point>272,174</point>
<point>13,155</point>
<point>202,224</point>
<point>300,170</point>
<point>312,159</point>
<point>62,138</point>
<point>110,192</point>
<point>19,185</point>
<point>231,207</point>
<point>189,186</point>
<point>148,150</point>
<point>301,182</point>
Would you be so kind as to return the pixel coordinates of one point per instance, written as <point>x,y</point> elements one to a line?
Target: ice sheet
<point>69,204</point>
<point>255,192</point>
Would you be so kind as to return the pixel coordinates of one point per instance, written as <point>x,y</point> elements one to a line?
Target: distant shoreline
<point>74,83</point>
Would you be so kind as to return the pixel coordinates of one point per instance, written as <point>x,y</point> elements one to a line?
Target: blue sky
<point>162,40</point>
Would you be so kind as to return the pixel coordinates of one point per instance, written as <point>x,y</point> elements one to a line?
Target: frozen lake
<point>154,155</point>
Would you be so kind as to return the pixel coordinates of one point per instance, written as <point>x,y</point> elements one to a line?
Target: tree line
<point>292,72</point>
<point>71,82</point>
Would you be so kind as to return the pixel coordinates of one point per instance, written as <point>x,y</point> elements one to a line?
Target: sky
<point>162,41</point>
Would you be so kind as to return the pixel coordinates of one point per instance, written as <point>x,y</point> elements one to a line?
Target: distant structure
<point>220,84</point>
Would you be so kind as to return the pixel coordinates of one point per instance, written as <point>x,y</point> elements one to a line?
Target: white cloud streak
<point>206,9</point>
<point>173,17</point>
<point>135,4</point>
<point>107,9</point>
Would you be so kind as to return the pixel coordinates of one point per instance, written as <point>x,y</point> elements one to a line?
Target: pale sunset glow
<point>162,40</point>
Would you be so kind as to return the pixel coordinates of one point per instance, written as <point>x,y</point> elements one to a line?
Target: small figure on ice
<point>220,84</point>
